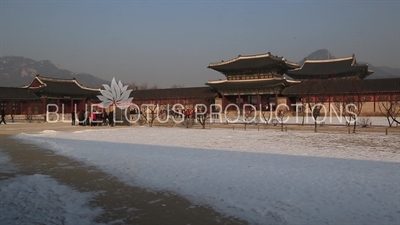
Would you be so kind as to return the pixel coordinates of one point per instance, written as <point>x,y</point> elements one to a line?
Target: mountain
<point>380,72</point>
<point>395,71</point>
<point>319,54</point>
<point>18,71</point>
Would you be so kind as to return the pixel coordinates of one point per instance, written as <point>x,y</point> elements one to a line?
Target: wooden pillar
<point>20,107</point>
<point>329,102</point>
<point>223,101</point>
<point>30,109</point>
<point>239,100</point>
<point>258,101</point>
<point>374,97</point>
<point>72,104</point>
<point>44,106</point>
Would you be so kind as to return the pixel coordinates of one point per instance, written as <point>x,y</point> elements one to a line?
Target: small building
<point>65,93</point>
<point>33,99</point>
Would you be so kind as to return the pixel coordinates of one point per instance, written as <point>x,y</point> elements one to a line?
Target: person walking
<point>111,118</point>
<point>105,117</point>
<point>73,118</point>
<point>3,116</point>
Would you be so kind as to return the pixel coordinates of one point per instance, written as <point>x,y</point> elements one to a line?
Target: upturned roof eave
<point>217,65</point>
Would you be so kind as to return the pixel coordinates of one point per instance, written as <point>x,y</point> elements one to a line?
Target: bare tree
<point>202,115</point>
<point>281,115</point>
<point>353,108</point>
<point>189,114</point>
<point>391,110</point>
<point>355,104</point>
<point>316,104</point>
<point>132,86</point>
<point>148,113</point>
<point>189,117</point>
<point>197,110</point>
<point>177,86</point>
<point>143,86</point>
<point>307,89</point>
<point>154,86</point>
<point>263,114</point>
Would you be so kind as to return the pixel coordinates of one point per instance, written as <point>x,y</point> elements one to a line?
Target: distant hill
<point>380,72</point>
<point>319,54</point>
<point>18,71</point>
<point>394,71</point>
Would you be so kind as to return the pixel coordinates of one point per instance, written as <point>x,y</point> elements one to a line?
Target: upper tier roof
<point>58,86</point>
<point>329,68</point>
<point>252,62</point>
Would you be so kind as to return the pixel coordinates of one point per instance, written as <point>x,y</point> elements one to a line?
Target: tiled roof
<point>60,87</point>
<point>173,93</point>
<point>16,93</point>
<point>329,67</point>
<point>344,87</point>
<point>247,84</point>
<point>252,62</point>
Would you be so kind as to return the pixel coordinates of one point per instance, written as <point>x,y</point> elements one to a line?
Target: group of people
<point>93,118</point>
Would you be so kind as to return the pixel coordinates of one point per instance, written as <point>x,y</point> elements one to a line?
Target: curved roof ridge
<point>43,80</point>
<point>291,63</point>
<point>329,60</point>
<point>325,61</point>
<point>36,78</point>
<point>216,81</point>
<point>242,57</point>
<point>84,87</point>
<point>242,81</point>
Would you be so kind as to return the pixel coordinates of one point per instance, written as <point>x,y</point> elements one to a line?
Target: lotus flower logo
<point>116,94</point>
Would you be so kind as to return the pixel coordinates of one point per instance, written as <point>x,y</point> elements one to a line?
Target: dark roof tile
<point>329,67</point>
<point>16,93</point>
<point>252,62</point>
<point>68,87</point>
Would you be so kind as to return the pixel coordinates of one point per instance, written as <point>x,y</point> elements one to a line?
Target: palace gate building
<point>257,80</point>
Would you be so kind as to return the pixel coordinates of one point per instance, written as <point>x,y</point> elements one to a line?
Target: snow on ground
<point>39,199</point>
<point>293,119</point>
<point>264,176</point>
<point>6,166</point>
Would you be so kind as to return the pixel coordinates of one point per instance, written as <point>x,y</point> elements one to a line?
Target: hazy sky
<point>172,42</point>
